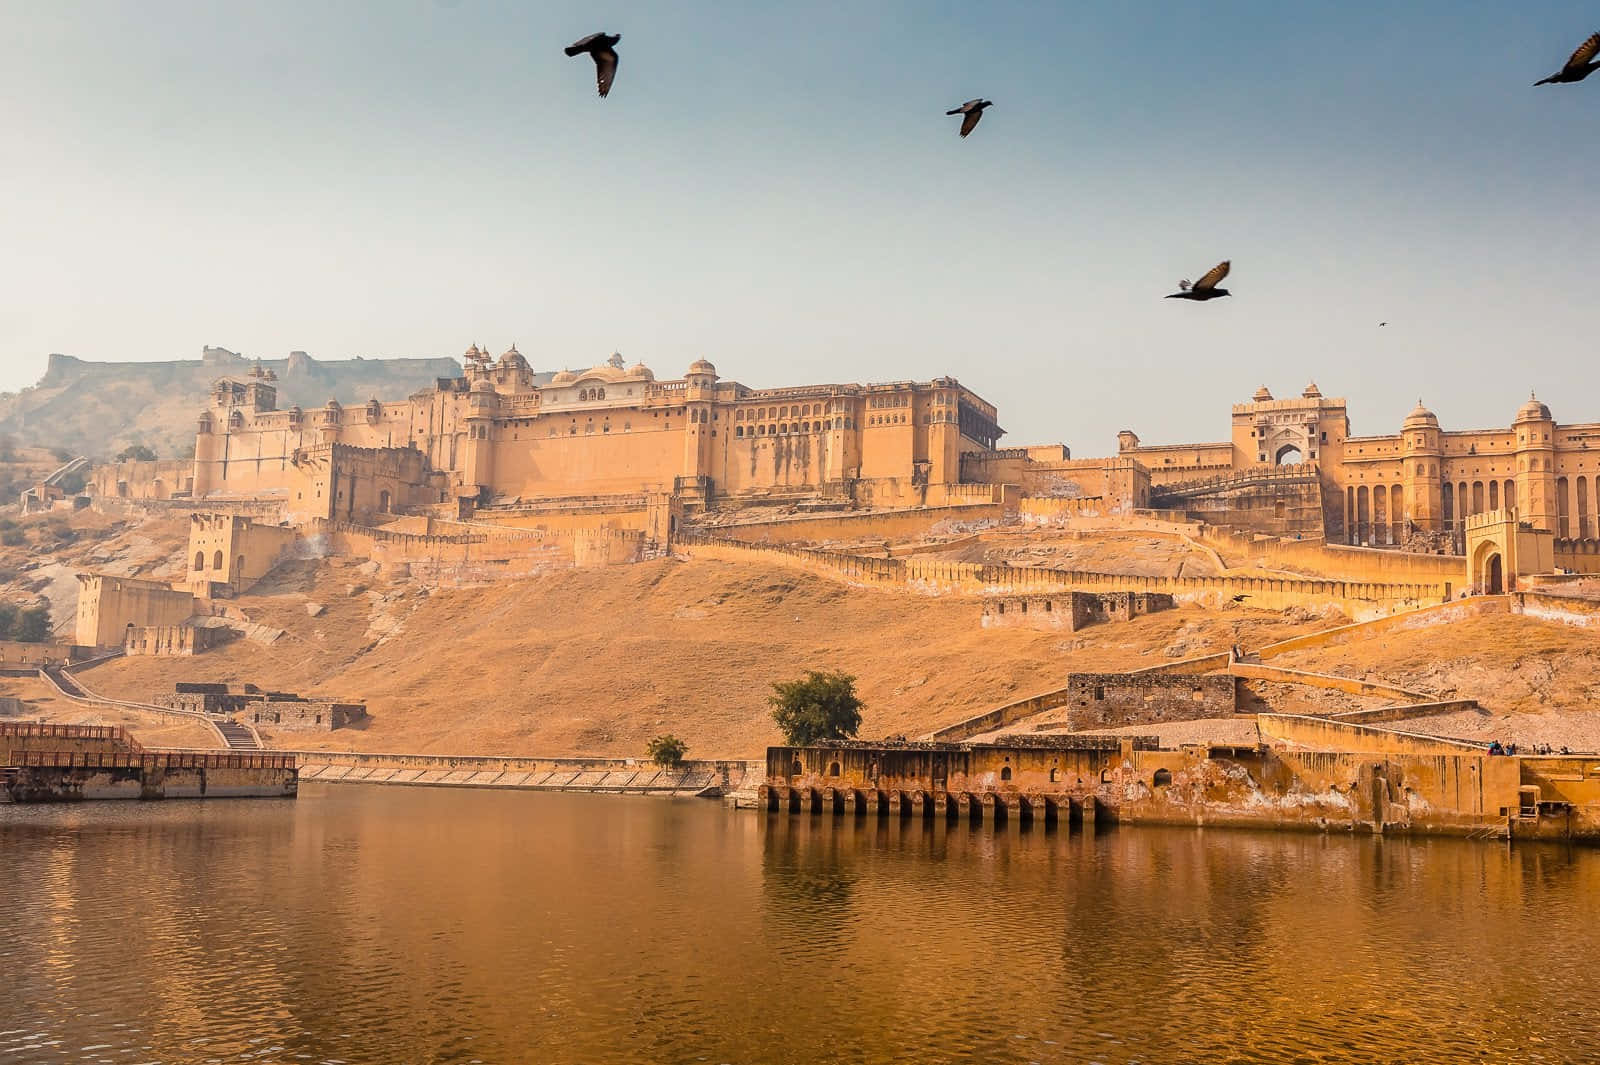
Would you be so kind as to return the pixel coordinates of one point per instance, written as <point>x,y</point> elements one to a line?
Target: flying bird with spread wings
<point>602,48</point>
<point>973,110</point>
<point>1580,66</point>
<point>1205,288</point>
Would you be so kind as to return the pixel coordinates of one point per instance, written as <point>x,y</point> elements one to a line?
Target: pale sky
<point>775,187</point>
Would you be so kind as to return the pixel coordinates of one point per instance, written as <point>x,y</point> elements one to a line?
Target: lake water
<point>368,924</point>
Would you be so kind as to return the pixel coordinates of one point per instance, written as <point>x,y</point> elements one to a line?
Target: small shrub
<point>667,750</point>
<point>13,537</point>
<point>136,453</point>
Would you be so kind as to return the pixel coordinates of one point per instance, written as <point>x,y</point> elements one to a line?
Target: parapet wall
<point>172,641</point>
<point>1569,610</point>
<point>889,524</point>
<point>1335,560</point>
<point>930,577</point>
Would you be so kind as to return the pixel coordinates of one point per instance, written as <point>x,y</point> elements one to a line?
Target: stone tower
<point>1536,464</point>
<point>700,390</point>
<point>477,465</point>
<point>1420,475</point>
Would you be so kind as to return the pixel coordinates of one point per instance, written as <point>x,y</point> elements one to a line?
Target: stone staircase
<point>237,736</point>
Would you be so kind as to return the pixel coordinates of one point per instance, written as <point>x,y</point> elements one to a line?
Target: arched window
<point>738,431</point>
<point>833,769</point>
<point>1005,772</point>
<point>216,560</point>
<point>1162,778</point>
<point>600,393</point>
<point>199,561</point>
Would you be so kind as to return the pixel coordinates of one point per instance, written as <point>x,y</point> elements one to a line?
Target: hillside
<point>96,408</point>
<point>598,661</point>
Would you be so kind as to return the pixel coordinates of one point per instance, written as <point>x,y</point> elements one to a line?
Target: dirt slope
<point>598,661</point>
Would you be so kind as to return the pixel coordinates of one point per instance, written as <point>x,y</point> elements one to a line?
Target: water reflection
<point>368,924</point>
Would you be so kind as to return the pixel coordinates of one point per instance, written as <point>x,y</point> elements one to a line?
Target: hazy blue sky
<point>776,187</point>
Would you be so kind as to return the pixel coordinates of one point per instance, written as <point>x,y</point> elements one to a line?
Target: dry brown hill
<point>598,661</point>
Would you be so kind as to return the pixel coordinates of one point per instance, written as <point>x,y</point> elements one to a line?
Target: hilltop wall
<point>97,408</point>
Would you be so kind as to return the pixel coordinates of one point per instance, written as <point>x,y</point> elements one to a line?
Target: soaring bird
<point>602,49</point>
<point>1205,288</point>
<point>1241,597</point>
<point>973,109</point>
<point>1580,66</point>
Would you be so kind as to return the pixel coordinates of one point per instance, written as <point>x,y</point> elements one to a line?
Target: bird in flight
<point>602,49</point>
<point>1241,597</point>
<point>1580,66</point>
<point>1205,288</point>
<point>973,110</point>
<point>1382,324</point>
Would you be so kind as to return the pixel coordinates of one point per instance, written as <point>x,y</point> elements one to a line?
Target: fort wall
<point>929,577</point>
<point>1070,610</point>
<point>1117,700</point>
<point>109,606</point>
<point>895,524</point>
<point>1403,784</point>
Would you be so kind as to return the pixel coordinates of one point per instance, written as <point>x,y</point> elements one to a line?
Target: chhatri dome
<point>1311,392</point>
<point>565,377</point>
<point>702,366</point>
<point>1533,410</point>
<point>1421,418</point>
<point>1262,395</point>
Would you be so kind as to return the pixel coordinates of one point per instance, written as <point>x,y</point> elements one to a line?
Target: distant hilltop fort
<point>97,408</point>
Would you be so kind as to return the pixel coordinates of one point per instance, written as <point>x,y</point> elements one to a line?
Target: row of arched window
<point>791,429</point>
<point>585,395</point>
<point>758,414</point>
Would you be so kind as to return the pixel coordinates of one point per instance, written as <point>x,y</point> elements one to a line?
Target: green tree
<point>820,706</point>
<point>33,624</point>
<point>72,483</point>
<point>667,750</point>
<point>136,453</point>
<point>13,537</point>
<point>8,620</point>
<point>61,454</point>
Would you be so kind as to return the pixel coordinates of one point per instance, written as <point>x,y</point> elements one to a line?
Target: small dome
<point>1262,395</point>
<point>639,369</point>
<point>513,357</point>
<point>482,385</point>
<point>1421,418</point>
<point>1312,391</point>
<point>565,377</point>
<point>1533,410</point>
<point>702,366</point>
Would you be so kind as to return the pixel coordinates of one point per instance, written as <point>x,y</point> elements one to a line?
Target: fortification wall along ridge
<point>1359,599</point>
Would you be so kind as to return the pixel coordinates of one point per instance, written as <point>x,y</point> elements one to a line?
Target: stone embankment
<point>628,776</point>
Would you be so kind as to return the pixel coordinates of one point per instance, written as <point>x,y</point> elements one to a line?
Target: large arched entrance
<point>1488,576</point>
<point>1494,578</point>
<point>1288,455</point>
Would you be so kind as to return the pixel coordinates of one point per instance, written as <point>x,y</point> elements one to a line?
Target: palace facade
<point>504,432</point>
<point>1384,490</point>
